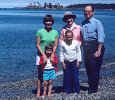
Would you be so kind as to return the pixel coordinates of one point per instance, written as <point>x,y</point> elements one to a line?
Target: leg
<point>45,87</point>
<point>38,88</point>
<point>75,74</point>
<point>45,78</point>
<point>50,88</point>
<point>93,65</point>
<point>93,70</point>
<point>39,82</point>
<point>98,63</point>
<point>68,78</point>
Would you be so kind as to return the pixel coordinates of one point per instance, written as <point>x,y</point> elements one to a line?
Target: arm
<point>81,29</point>
<point>39,49</point>
<point>101,36</point>
<point>54,48</point>
<point>62,56</point>
<point>55,45</point>
<point>79,56</point>
<point>61,36</point>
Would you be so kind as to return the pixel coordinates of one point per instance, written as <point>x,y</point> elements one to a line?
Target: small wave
<point>59,73</point>
<point>108,64</point>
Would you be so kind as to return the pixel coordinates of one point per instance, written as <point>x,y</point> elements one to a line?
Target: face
<point>48,52</point>
<point>69,36</point>
<point>88,12</point>
<point>70,21</point>
<point>48,24</point>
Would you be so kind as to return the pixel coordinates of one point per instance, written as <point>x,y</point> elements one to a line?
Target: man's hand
<point>97,53</point>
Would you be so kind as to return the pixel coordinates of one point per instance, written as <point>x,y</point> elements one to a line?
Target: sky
<point>22,3</point>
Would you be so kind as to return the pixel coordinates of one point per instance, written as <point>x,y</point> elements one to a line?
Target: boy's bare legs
<point>45,87</point>
<point>38,88</point>
<point>50,89</point>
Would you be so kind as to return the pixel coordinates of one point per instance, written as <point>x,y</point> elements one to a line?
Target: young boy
<point>70,57</point>
<point>49,69</point>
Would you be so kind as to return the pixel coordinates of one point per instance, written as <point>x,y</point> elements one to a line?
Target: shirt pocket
<point>91,28</point>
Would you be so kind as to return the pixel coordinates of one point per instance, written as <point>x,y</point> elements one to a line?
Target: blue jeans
<point>71,78</point>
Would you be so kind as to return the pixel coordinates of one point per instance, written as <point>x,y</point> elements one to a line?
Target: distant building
<point>37,5</point>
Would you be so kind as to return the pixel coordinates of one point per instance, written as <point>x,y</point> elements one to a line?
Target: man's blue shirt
<point>92,29</point>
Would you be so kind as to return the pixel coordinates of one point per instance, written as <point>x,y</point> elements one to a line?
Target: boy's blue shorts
<point>49,74</point>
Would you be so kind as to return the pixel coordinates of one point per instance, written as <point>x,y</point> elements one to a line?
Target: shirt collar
<point>91,19</point>
<point>73,26</point>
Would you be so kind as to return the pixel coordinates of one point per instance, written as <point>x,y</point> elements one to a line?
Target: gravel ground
<point>26,89</point>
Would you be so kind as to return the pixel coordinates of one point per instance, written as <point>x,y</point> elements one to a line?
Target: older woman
<point>45,36</point>
<point>69,18</point>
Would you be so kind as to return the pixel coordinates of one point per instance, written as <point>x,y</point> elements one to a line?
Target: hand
<point>78,64</point>
<point>97,53</point>
<point>63,65</point>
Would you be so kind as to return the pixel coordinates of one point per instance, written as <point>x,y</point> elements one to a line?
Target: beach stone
<point>26,89</point>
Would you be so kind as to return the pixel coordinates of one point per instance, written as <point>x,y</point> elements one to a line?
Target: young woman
<point>45,36</point>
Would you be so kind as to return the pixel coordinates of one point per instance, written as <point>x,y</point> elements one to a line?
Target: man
<point>93,47</point>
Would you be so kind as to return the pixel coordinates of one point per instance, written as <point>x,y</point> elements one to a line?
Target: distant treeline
<point>59,6</point>
<point>96,6</point>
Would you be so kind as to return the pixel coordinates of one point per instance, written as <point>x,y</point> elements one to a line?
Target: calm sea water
<point>18,34</point>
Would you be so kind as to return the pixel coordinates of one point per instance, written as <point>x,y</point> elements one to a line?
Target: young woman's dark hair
<point>48,17</point>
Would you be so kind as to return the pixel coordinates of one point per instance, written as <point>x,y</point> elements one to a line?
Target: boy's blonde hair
<point>68,31</point>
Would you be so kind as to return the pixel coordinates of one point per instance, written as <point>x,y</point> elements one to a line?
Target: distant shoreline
<point>69,7</point>
<point>96,6</point>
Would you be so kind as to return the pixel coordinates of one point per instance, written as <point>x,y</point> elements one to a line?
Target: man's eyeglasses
<point>88,11</point>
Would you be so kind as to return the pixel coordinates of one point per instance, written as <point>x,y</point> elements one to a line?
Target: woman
<point>69,18</point>
<point>45,36</point>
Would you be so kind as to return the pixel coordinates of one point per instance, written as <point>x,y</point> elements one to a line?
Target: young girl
<point>70,57</point>
<point>49,69</point>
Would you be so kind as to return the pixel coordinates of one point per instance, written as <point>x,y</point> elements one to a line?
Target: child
<point>49,69</point>
<point>70,57</point>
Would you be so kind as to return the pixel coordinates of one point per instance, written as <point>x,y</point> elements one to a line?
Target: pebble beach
<point>26,89</point>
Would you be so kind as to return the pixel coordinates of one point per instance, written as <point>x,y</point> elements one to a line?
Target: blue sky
<point>22,3</point>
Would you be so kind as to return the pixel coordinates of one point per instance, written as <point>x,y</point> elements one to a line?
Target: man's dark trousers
<point>93,64</point>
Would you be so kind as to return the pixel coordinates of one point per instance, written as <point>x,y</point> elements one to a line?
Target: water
<point>18,39</point>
